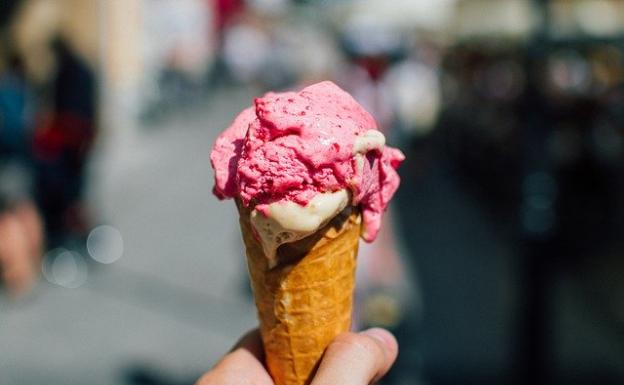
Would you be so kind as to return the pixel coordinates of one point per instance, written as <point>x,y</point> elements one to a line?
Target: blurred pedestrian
<point>21,234</point>
<point>21,237</point>
<point>62,144</point>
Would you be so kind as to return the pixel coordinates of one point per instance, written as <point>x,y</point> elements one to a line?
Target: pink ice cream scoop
<point>293,146</point>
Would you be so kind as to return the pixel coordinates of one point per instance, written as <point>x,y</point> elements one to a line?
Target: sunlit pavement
<point>176,298</point>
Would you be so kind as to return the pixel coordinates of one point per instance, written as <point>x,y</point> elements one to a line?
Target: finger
<point>252,342</point>
<point>357,358</point>
<point>241,366</point>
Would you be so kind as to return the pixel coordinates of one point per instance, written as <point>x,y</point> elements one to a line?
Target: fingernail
<point>383,336</point>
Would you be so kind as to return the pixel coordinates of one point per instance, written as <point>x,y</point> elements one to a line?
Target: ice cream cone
<point>306,300</point>
<point>293,162</point>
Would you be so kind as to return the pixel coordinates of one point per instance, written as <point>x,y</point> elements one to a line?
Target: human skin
<point>21,239</point>
<point>351,359</point>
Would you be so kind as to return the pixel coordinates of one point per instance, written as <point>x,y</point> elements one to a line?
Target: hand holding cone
<point>311,174</point>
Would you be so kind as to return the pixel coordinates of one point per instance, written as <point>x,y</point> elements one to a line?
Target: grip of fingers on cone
<point>305,301</point>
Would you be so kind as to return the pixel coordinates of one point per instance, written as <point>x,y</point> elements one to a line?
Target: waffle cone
<point>305,301</point>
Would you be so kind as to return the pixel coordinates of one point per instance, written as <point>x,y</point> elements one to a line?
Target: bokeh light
<point>65,268</point>
<point>105,244</point>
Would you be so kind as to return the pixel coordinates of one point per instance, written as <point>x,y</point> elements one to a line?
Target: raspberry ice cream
<point>298,158</point>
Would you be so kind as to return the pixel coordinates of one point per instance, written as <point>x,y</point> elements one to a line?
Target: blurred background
<point>501,259</point>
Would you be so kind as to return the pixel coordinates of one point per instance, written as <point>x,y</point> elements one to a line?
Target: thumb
<point>357,358</point>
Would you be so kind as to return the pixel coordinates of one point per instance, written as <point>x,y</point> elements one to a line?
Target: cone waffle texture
<point>305,301</point>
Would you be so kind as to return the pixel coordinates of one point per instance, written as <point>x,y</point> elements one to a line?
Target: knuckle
<point>357,345</point>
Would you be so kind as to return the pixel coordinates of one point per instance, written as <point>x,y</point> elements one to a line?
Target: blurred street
<point>175,300</point>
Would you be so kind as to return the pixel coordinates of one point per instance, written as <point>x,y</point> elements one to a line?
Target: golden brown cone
<point>306,301</point>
